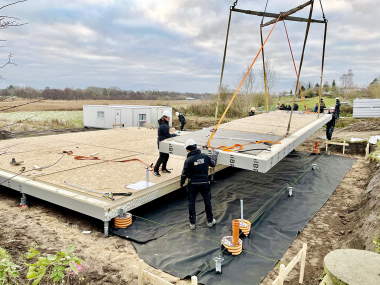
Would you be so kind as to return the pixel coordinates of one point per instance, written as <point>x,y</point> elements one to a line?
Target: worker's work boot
<point>210,225</point>
<point>156,173</point>
<point>192,227</point>
<point>166,171</point>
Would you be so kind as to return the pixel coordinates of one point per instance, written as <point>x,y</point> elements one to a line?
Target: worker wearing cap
<point>252,111</point>
<point>182,120</point>
<point>196,169</point>
<point>163,133</point>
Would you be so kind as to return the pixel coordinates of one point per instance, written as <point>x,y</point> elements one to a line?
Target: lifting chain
<point>235,3</point>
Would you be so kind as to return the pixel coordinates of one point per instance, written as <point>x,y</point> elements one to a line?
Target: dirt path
<point>329,227</point>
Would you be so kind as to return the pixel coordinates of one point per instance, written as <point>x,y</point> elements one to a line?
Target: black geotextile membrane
<point>162,237</point>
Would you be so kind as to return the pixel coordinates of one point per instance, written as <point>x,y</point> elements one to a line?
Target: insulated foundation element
<point>245,226</point>
<point>231,248</point>
<point>233,244</point>
<point>123,221</point>
<point>261,139</point>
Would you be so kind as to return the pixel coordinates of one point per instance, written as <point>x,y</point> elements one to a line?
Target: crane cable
<point>294,62</point>
<point>301,62</point>
<point>224,60</point>
<point>237,90</point>
<point>290,48</point>
<point>266,88</point>
<point>323,58</point>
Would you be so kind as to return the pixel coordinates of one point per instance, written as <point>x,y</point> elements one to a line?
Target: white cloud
<point>178,44</point>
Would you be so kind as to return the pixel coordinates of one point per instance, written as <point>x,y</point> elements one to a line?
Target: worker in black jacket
<point>330,127</point>
<point>163,133</point>
<point>181,119</point>
<point>196,169</point>
<point>337,108</point>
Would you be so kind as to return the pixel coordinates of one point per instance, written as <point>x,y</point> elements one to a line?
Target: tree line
<point>96,93</point>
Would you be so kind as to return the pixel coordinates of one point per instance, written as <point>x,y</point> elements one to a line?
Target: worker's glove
<point>182,183</point>
<point>214,155</point>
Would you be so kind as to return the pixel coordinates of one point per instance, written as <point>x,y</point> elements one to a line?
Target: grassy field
<point>40,120</point>
<point>52,114</point>
<point>240,108</point>
<point>308,102</point>
<point>76,105</point>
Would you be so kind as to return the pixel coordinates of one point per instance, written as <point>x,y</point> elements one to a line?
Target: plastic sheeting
<point>162,238</point>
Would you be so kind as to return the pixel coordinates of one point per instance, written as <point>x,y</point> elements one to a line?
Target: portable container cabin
<point>111,116</point>
<point>366,108</point>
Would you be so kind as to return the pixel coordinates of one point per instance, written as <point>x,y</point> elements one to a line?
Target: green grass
<point>309,102</point>
<point>73,119</point>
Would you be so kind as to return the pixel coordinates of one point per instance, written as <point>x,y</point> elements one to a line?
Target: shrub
<point>9,271</point>
<point>346,110</point>
<point>239,108</point>
<point>52,268</point>
<point>376,242</point>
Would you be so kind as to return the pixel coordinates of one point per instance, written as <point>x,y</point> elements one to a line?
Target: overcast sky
<point>177,45</point>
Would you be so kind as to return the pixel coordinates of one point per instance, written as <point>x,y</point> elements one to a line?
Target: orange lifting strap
<point>240,147</point>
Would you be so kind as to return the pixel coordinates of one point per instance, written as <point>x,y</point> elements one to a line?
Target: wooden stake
<point>140,280</point>
<point>344,146</point>
<point>194,280</point>
<point>281,275</point>
<point>303,262</point>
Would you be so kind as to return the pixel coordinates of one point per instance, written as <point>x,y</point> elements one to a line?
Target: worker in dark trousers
<point>182,120</point>
<point>330,126</point>
<point>196,169</point>
<point>337,108</point>
<point>163,133</point>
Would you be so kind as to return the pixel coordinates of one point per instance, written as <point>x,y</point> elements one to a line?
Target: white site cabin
<point>111,116</point>
<point>366,108</point>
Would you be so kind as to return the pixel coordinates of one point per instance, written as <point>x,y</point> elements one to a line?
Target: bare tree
<point>271,75</point>
<point>7,22</point>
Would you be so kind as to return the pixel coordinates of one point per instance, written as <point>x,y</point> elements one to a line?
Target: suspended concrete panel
<point>259,157</point>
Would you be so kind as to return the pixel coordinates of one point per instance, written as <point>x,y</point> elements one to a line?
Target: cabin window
<point>100,114</point>
<point>142,117</point>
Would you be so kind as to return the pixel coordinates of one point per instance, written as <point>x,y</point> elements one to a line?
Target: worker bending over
<point>181,119</point>
<point>163,134</point>
<point>195,169</point>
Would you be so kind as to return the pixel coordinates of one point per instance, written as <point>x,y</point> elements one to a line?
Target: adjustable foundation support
<point>23,201</point>
<point>106,228</point>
